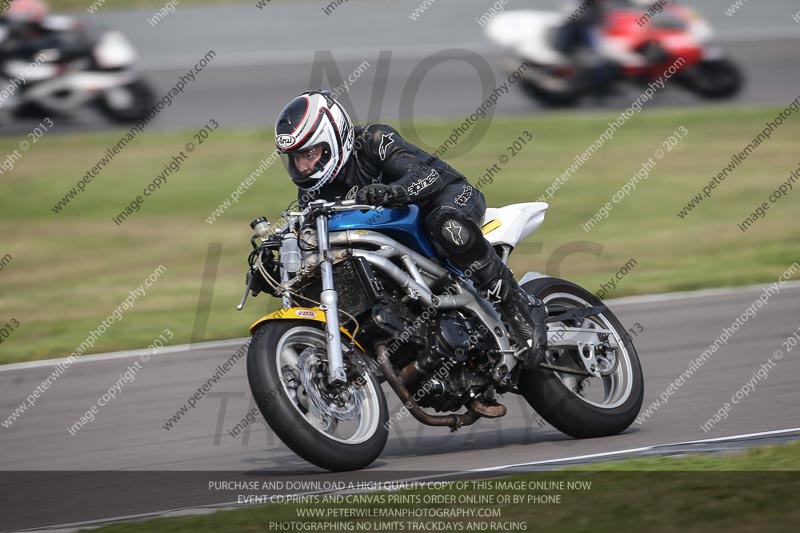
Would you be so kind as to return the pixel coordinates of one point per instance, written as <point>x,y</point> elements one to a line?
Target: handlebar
<point>335,206</point>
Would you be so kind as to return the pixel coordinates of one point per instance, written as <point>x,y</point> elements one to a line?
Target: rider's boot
<point>526,314</point>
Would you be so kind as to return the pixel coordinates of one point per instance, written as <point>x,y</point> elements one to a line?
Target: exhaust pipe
<point>454,421</point>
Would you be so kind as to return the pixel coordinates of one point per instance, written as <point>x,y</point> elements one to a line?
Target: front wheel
<point>339,429</point>
<point>575,402</point>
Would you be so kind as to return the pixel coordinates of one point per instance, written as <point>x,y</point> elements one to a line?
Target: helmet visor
<point>306,167</point>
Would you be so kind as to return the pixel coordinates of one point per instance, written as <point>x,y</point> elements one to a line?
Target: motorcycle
<point>628,50</point>
<point>366,299</point>
<point>87,70</point>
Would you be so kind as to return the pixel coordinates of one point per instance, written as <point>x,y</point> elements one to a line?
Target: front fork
<point>330,306</point>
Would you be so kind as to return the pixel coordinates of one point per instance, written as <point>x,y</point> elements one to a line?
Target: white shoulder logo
<point>384,144</point>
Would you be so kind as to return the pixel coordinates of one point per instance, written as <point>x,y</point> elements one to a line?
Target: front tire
<point>338,431</point>
<point>562,399</point>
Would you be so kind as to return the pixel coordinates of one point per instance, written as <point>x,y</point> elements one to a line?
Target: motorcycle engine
<point>456,367</point>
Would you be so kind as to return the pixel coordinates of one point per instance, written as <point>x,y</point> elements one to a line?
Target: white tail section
<point>513,223</point>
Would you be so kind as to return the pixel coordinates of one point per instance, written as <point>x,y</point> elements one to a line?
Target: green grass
<point>70,270</point>
<point>758,459</point>
<point>753,491</point>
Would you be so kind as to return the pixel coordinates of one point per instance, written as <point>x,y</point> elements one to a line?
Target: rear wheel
<point>336,428</point>
<point>550,99</point>
<point>577,403</point>
<point>127,103</point>
<point>714,79</point>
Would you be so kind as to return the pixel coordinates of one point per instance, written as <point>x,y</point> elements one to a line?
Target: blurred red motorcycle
<point>631,46</point>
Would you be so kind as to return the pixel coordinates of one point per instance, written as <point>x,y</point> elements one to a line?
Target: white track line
<point>744,436</point>
<point>126,354</point>
<point>631,300</point>
<point>687,295</point>
<point>741,437</point>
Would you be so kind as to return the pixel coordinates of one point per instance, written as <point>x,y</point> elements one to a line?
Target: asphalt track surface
<point>267,56</point>
<point>128,433</point>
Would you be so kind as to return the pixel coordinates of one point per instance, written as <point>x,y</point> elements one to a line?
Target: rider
<point>27,28</point>
<point>327,157</point>
<point>580,29</point>
<point>585,20</point>
<point>580,38</point>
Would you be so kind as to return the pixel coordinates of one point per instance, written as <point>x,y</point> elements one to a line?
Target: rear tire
<point>140,99</point>
<point>290,410</point>
<point>715,79</point>
<point>549,99</point>
<point>564,408</point>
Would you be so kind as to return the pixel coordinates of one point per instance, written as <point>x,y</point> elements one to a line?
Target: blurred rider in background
<point>27,28</point>
<point>580,38</point>
<point>583,28</point>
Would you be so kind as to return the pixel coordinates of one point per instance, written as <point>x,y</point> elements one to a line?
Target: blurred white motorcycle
<point>89,70</point>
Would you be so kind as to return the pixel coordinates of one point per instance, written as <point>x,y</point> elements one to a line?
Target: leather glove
<point>373,194</point>
<point>398,195</point>
<point>382,195</point>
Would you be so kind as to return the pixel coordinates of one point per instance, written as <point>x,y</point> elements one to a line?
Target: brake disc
<point>342,404</point>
